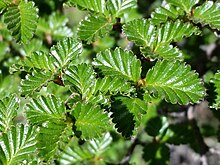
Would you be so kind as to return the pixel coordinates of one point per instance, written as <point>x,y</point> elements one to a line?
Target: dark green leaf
<point>175,82</point>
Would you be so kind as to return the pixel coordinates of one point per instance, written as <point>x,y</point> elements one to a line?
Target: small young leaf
<point>184,4</point>
<point>162,14</point>
<point>208,13</point>
<point>65,51</point>
<point>8,110</point>
<point>18,144</point>
<point>35,81</point>
<point>73,153</point>
<point>120,63</point>
<point>44,109</point>
<point>216,81</point>
<point>80,77</point>
<point>21,20</point>
<point>175,82</point>
<point>90,120</point>
<point>119,7</point>
<point>94,27</point>
<point>164,51</point>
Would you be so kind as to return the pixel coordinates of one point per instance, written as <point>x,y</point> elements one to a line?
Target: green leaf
<point>153,126</point>
<point>8,110</point>
<point>184,4</point>
<point>167,52</point>
<point>175,82</point>
<point>136,106</point>
<point>37,61</point>
<point>21,20</point>
<point>208,14</point>
<point>162,14</point>
<point>55,27</point>
<point>216,81</point>
<point>17,145</point>
<point>119,7</point>
<point>52,137</point>
<point>80,77</point>
<point>112,85</point>
<point>91,121</point>
<point>33,45</point>
<point>150,35</point>
<point>44,109</point>
<point>74,153</point>
<point>35,81</point>
<point>94,27</point>
<point>65,51</point>
<point>120,63</point>
<point>141,31</point>
<point>97,6</point>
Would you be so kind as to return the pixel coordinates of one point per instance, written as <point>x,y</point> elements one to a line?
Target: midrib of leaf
<point>106,24</point>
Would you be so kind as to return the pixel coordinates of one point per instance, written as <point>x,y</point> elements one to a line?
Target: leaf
<point>153,126</point>
<point>33,45</point>
<point>136,106</point>
<point>141,31</point>
<point>119,63</point>
<point>97,6</point>
<point>184,4</point>
<point>216,81</point>
<point>149,35</point>
<point>112,85</point>
<point>65,51</point>
<point>175,82</point>
<point>167,52</point>
<point>120,7</point>
<point>21,20</point>
<point>74,153</point>
<point>35,81</point>
<point>18,144</point>
<point>90,120</point>
<point>80,77</point>
<point>8,111</point>
<point>94,27</point>
<point>163,13</point>
<point>38,60</point>
<point>208,14</point>
<point>52,137</point>
<point>44,109</point>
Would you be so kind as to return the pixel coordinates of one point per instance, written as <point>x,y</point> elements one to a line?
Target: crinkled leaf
<point>21,20</point>
<point>141,31</point>
<point>119,7</point>
<point>8,110</point>
<point>120,63</point>
<point>74,153</point>
<point>52,137</point>
<point>184,4</point>
<point>94,27</point>
<point>216,81</point>
<point>167,52</point>
<point>175,82</point>
<point>144,33</point>
<point>97,6</point>
<point>32,46</point>
<point>37,61</point>
<point>136,106</point>
<point>122,117</point>
<point>44,109</point>
<point>112,85</point>
<point>91,121</point>
<point>80,77</point>
<point>163,13</point>
<point>208,13</point>
<point>65,51</point>
<point>35,81</point>
<point>18,144</point>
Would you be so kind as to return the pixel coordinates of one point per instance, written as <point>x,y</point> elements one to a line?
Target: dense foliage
<point>106,81</point>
